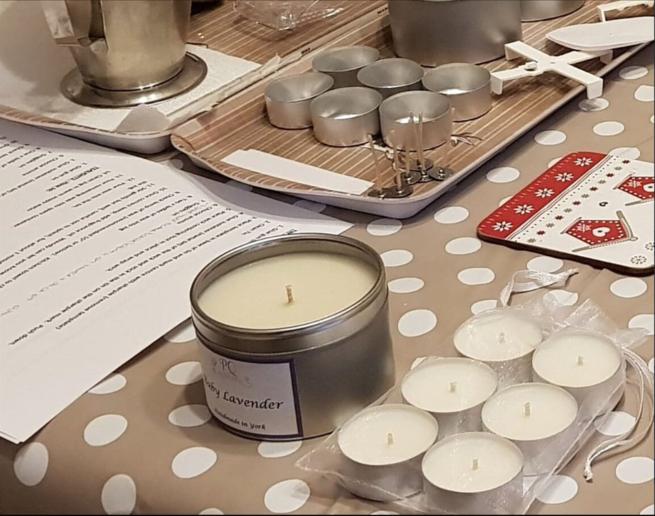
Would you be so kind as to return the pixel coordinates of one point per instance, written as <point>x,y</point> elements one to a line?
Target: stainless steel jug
<point>533,10</point>
<point>127,52</point>
<point>435,32</point>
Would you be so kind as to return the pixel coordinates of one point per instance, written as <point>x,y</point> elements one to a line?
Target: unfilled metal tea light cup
<point>346,117</point>
<point>473,473</point>
<point>587,364</point>
<point>504,339</point>
<point>343,63</point>
<point>391,76</point>
<point>468,87</point>
<point>382,449</point>
<point>398,125</point>
<point>288,98</point>
<point>453,390</point>
<point>535,416</point>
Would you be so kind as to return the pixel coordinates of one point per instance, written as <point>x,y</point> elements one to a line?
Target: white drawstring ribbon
<point>526,281</point>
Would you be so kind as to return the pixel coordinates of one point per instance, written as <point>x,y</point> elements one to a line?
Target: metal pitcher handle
<point>69,22</point>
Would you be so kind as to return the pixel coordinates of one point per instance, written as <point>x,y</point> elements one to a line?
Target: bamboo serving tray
<point>241,123</point>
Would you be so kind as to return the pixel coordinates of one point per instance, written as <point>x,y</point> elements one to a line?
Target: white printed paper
<point>97,255</point>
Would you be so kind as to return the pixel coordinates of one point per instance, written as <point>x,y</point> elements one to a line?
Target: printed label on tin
<point>252,397</point>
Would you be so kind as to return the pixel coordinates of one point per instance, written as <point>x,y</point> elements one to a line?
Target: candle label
<point>253,398</point>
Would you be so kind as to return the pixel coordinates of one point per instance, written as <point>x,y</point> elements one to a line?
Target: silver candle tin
<point>534,10</point>
<point>343,63</point>
<point>466,419</point>
<point>468,87</point>
<point>391,76</point>
<point>347,116</point>
<point>288,98</point>
<point>499,500</point>
<point>396,121</point>
<point>321,372</point>
<point>386,482</point>
<point>538,453</point>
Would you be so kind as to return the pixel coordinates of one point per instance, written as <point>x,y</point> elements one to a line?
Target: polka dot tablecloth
<point>143,441</point>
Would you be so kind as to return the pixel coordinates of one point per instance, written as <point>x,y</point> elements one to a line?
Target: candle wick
<point>501,338</point>
<point>527,409</point>
<point>580,360</point>
<point>389,438</point>
<point>289,290</point>
<point>476,465</point>
<point>452,386</point>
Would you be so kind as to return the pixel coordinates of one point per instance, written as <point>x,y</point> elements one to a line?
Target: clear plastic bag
<point>285,14</point>
<point>403,485</point>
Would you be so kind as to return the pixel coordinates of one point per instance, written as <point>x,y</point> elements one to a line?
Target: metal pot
<point>434,32</point>
<point>534,10</point>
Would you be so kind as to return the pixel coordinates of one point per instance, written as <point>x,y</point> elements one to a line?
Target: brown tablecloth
<point>183,462</point>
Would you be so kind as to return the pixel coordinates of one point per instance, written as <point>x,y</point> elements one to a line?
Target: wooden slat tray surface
<point>241,123</point>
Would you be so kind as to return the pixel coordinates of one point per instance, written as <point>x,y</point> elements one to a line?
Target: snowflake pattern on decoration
<point>503,226</point>
<point>650,246</point>
<point>524,209</point>
<point>641,187</point>
<point>583,162</point>
<point>544,193</point>
<point>564,177</point>
<point>638,259</point>
<point>583,227</point>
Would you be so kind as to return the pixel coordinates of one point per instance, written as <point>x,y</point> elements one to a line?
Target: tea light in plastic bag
<point>473,473</point>
<point>587,364</point>
<point>504,339</point>
<point>383,446</point>
<point>452,389</point>
<point>533,415</point>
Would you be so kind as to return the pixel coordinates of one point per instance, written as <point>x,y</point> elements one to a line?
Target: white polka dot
<point>193,461</point>
<point>626,152</point>
<point>181,333</point>
<point>503,175</point>
<point>558,489</point>
<point>31,464</point>
<point>597,104</point>
<point>417,361</point>
<point>271,450</point>
<point>211,510</point>
<point>652,118</point>
<point>112,383</point>
<point>628,287</point>
<point>635,470</point>
<point>504,200</point>
<point>383,227</point>
<point>286,496</point>
<point>651,365</point>
<point>610,128</point>
<point>545,264</point>
<point>463,245</point>
<point>633,72</point>
<point>614,423</point>
<point>644,321</point>
<point>405,285</point>
<point>189,415</point>
<point>396,257</point>
<point>554,161</point>
<point>104,429</point>
<point>118,495</point>
<point>239,185</point>
<point>645,93</point>
<point>476,276</point>
<point>648,510</point>
<point>562,297</point>
<point>417,322</point>
<point>184,373</point>
<point>451,215</point>
<point>483,306</point>
<point>316,207</point>
<point>550,137</point>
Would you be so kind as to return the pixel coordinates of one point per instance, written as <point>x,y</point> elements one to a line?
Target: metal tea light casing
<point>317,374</point>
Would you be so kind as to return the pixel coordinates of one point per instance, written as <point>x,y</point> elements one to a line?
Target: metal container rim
<point>279,80</point>
<point>440,68</point>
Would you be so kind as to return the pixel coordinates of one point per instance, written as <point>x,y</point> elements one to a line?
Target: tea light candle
<point>533,415</point>
<point>586,364</point>
<point>504,339</point>
<point>382,447</point>
<point>473,473</point>
<point>452,389</point>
